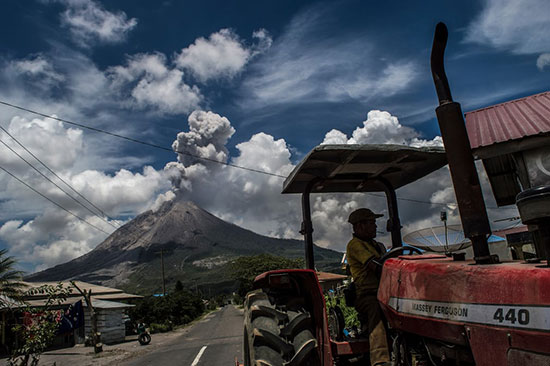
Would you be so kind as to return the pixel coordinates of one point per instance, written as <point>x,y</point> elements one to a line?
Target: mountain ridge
<point>192,241</point>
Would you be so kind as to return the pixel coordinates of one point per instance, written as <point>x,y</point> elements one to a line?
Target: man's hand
<point>375,265</point>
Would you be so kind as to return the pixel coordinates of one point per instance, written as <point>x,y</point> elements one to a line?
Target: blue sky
<point>253,83</point>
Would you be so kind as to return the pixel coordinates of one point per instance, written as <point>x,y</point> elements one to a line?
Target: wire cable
<point>52,182</point>
<point>54,173</point>
<point>436,203</point>
<point>193,155</point>
<point>140,141</point>
<point>52,201</point>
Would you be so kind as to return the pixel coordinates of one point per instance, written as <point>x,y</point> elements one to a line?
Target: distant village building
<point>109,303</point>
<point>330,281</point>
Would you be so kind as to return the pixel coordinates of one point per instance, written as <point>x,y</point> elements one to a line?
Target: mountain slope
<point>195,247</point>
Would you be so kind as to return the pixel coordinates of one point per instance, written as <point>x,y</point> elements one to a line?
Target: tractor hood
<point>357,168</point>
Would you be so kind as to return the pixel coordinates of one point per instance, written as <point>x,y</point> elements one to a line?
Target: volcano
<point>194,246</point>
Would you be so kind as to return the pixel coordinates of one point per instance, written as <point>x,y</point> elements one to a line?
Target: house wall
<point>500,248</point>
<point>110,324</point>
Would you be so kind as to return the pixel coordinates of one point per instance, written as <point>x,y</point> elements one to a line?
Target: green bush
<point>237,299</point>
<point>160,328</point>
<point>177,308</point>
<point>351,317</point>
<point>246,268</point>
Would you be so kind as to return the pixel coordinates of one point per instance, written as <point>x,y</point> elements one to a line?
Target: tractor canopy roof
<point>357,168</point>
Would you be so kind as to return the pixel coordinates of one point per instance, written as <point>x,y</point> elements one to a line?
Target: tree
<point>245,269</point>
<point>39,326</point>
<point>176,308</point>
<point>10,279</point>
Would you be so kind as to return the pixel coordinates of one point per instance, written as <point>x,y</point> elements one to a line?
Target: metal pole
<point>163,280</point>
<point>443,216</point>
<point>393,225</point>
<point>307,225</point>
<point>471,206</point>
<point>162,271</point>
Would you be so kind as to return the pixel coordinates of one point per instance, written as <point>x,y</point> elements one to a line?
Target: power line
<point>140,141</point>
<point>52,182</point>
<point>435,203</point>
<point>52,201</point>
<point>54,173</point>
<point>193,155</point>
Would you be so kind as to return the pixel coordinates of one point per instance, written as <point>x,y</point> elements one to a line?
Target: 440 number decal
<point>522,316</point>
<point>514,316</point>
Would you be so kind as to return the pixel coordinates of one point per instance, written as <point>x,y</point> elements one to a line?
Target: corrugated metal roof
<point>99,293</point>
<point>509,121</point>
<point>117,296</point>
<point>103,304</point>
<point>96,289</point>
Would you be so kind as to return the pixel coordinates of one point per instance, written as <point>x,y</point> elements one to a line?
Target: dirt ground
<point>112,354</point>
<point>84,356</point>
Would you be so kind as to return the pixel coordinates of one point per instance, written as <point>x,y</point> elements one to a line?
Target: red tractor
<point>440,310</point>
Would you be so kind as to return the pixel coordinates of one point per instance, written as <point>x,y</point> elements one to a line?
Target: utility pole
<point>96,335</point>
<point>162,269</point>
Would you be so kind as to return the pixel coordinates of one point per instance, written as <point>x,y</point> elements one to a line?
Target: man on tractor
<point>362,254</point>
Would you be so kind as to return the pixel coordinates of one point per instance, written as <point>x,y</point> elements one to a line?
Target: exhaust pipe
<point>471,206</point>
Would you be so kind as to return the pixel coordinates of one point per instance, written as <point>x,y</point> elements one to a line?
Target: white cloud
<point>239,196</point>
<point>265,153</point>
<point>335,137</point>
<point>36,230</point>
<point>45,136</point>
<point>303,66</point>
<point>223,54</point>
<point>390,80</point>
<point>381,127</point>
<point>37,66</point>
<point>543,61</point>
<point>51,238</point>
<point>149,83</point>
<point>264,41</point>
<point>330,216</point>
<point>123,192</point>
<point>117,193</point>
<point>89,22</point>
<point>521,27</point>
<point>247,198</point>
<point>254,201</point>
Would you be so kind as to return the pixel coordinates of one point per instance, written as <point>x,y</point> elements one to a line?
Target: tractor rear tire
<point>276,334</point>
<point>336,323</point>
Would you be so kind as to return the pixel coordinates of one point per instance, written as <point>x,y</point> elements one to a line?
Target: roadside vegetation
<point>40,324</point>
<point>351,318</point>
<point>245,269</point>
<point>10,279</point>
<point>163,313</point>
<point>34,328</point>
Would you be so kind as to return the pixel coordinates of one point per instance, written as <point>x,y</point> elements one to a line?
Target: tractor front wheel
<point>278,332</point>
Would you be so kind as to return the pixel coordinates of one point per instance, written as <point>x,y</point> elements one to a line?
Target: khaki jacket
<point>358,253</point>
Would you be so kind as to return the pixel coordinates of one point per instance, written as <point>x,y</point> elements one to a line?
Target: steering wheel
<point>396,252</point>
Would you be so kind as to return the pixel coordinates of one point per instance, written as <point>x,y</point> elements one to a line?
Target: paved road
<point>214,341</point>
